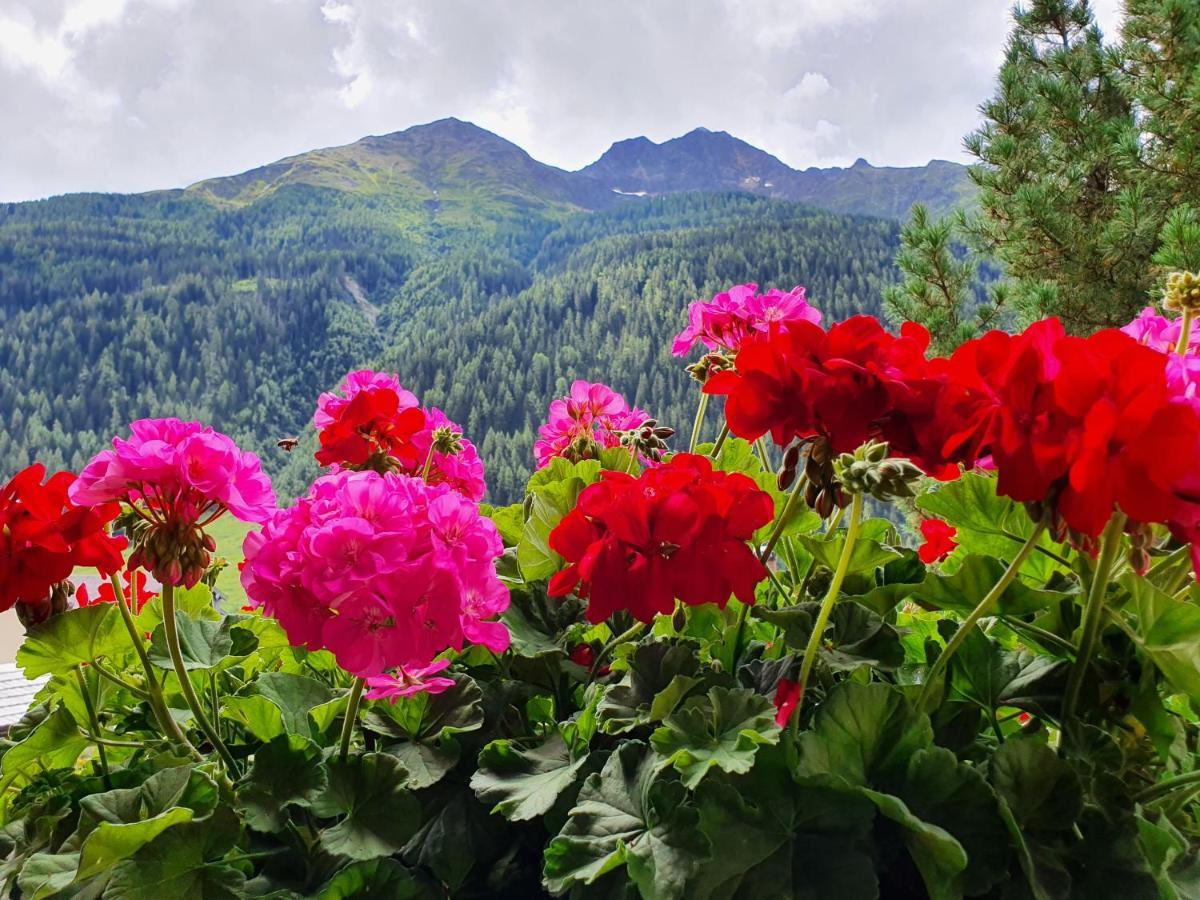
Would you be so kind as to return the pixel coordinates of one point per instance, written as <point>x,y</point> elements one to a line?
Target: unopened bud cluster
<point>1183,292</point>
<point>447,441</point>
<point>822,492</point>
<point>709,365</point>
<point>1141,540</point>
<point>582,447</point>
<point>869,471</point>
<point>648,440</point>
<point>55,602</point>
<point>174,554</point>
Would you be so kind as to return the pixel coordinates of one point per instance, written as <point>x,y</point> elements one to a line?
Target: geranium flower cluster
<point>591,418</point>
<point>44,536</point>
<point>376,423</point>
<point>726,321</point>
<point>679,530</point>
<point>853,383</point>
<point>1161,333</point>
<point>178,477</point>
<point>383,570</point>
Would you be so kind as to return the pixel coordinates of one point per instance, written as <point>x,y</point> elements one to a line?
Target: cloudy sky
<point>129,95</point>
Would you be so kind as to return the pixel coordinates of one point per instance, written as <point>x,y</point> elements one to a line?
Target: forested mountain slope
<point>487,279</point>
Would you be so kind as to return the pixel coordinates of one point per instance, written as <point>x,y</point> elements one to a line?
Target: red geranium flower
<point>374,421</point>
<point>939,540</point>
<point>677,531</point>
<point>787,698</point>
<point>44,536</point>
<point>850,384</point>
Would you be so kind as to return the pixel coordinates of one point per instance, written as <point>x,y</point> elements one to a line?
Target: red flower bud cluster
<point>677,531</point>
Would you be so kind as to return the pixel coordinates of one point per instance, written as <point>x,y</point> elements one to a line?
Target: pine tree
<point>1087,157</point>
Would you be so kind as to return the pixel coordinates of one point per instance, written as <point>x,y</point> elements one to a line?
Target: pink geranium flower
<point>593,414</point>
<point>179,477</point>
<point>408,682</point>
<point>385,571</point>
<point>462,470</point>
<point>729,318</point>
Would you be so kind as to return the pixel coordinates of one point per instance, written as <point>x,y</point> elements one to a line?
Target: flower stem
<point>1163,788</point>
<point>95,723</point>
<point>118,680</point>
<point>171,631</point>
<point>154,694</point>
<point>983,609</point>
<point>721,438</point>
<point>1093,617</point>
<point>700,410</point>
<point>428,462</point>
<point>835,588</point>
<point>352,705</point>
<point>1185,332</point>
<point>628,635</point>
<point>784,514</point>
<point>761,447</point>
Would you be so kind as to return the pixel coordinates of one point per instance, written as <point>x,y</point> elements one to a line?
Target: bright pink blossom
<point>462,470</point>
<point>385,571</point>
<point>590,413</point>
<point>180,477</point>
<point>408,682</point>
<point>725,321</point>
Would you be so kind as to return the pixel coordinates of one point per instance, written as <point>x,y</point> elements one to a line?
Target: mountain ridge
<point>441,166</point>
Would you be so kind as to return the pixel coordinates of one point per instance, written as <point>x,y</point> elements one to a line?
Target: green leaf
<point>509,521</point>
<point>458,836</point>
<point>724,729</point>
<point>76,636</point>
<point>867,554</point>
<point>626,816</point>
<point>191,603</point>
<point>661,674</point>
<point>553,492</point>
<point>1168,631</point>
<point>535,622</point>
<point>855,636</point>
<point>1176,864</point>
<point>380,815</point>
<point>256,714</point>
<point>427,762</point>
<point>375,879</point>
<point>45,875</point>
<point>990,677</point>
<point>938,856</point>
<point>1041,790</point>
<point>55,743</point>
<point>987,525</point>
<point>523,784</point>
<point>287,770</point>
<point>184,861</point>
<point>203,643</point>
<point>295,696</point>
<point>863,733</point>
<point>961,591</point>
<point>777,840</point>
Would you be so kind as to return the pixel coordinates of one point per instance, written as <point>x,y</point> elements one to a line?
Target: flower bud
<point>55,602</point>
<point>1182,292</point>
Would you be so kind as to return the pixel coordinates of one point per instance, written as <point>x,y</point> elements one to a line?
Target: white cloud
<point>141,94</point>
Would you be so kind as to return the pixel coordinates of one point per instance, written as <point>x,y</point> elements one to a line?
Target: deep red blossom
<point>44,536</point>
<point>678,531</point>
<point>850,384</point>
<point>939,540</point>
<point>136,591</point>
<point>787,698</point>
<point>375,421</point>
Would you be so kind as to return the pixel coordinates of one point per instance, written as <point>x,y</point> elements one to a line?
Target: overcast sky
<point>131,95</point>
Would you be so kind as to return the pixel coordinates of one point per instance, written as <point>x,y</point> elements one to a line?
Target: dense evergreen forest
<point>114,307</point>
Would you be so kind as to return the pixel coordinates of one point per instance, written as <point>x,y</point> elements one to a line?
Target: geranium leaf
<point>72,637</point>
<point>427,762</point>
<point>626,816</point>
<point>553,491</point>
<point>191,603</point>
<point>862,733</point>
<point>203,643</point>
<point>985,674</point>
<point>375,879</point>
<point>457,836</point>
<point>54,743</point>
<point>1042,791</point>
<point>802,840</point>
<point>509,521</point>
<point>523,784</point>
<point>855,635</point>
<point>428,717</point>
<point>938,856</point>
<point>380,815</point>
<point>295,696</point>
<point>256,714</point>
<point>723,729</point>
<point>184,861</point>
<point>287,770</point>
<point>987,525</point>
<point>656,668</point>
<point>535,622</point>
<point>866,556</point>
<point>961,591</point>
<point>1168,631</point>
